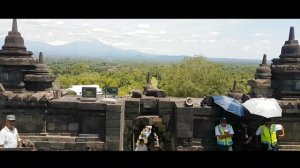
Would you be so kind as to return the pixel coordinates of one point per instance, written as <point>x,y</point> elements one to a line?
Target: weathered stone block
<point>132,104</point>
<point>86,139</point>
<point>128,122</point>
<point>113,123</point>
<point>57,145</point>
<point>42,145</point>
<point>87,106</point>
<point>184,122</point>
<point>73,127</point>
<point>78,146</point>
<point>131,116</point>
<point>24,118</point>
<point>101,106</point>
<point>112,146</point>
<point>290,111</point>
<point>70,146</point>
<point>132,110</point>
<point>296,127</point>
<point>113,116</point>
<point>112,138</point>
<point>207,111</point>
<point>65,105</point>
<point>30,127</point>
<point>38,120</point>
<point>93,124</point>
<point>112,131</point>
<point>114,108</point>
<point>165,111</point>
<point>50,126</point>
<point>61,127</point>
<point>98,146</point>
<point>166,104</point>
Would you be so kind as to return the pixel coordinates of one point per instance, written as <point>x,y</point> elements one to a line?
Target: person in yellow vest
<point>224,133</point>
<point>267,135</point>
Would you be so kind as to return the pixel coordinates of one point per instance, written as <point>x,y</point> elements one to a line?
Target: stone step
<point>88,135</point>
<point>196,142</point>
<point>60,138</point>
<point>49,138</point>
<point>16,149</point>
<point>289,143</point>
<point>289,147</point>
<point>49,134</point>
<point>68,146</point>
<point>86,139</point>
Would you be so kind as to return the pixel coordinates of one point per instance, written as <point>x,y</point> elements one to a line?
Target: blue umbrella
<point>229,104</point>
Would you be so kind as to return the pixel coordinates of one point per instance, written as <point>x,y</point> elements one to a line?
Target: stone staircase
<point>196,145</point>
<point>289,146</point>
<point>64,141</point>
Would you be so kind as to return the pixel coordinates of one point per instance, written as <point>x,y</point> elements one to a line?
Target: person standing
<point>243,136</point>
<point>224,133</point>
<point>9,136</point>
<point>268,135</point>
<point>141,146</point>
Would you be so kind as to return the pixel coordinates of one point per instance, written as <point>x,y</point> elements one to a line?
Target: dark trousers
<point>243,147</point>
<point>265,147</point>
<point>223,147</point>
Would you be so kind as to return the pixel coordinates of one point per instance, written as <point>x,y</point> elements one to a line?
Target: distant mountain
<point>96,49</point>
<point>237,61</point>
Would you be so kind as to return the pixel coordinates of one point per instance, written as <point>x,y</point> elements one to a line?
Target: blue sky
<point>218,38</point>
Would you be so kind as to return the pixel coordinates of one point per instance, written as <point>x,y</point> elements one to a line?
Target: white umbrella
<point>263,107</point>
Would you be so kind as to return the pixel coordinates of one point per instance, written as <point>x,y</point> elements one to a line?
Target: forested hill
<point>194,76</point>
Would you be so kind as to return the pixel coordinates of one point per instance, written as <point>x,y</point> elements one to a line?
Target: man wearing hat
<point>9,137</point>
<point>224,133</point>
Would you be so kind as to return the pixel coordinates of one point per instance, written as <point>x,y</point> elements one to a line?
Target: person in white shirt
<point>141,146</point>
<point>9,137</point>
<point>269,136</point>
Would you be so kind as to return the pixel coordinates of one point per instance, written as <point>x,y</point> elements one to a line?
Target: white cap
<point>11,117</point>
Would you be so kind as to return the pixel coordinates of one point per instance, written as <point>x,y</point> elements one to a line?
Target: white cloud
<point>229,40</point>
<point>59,23</point>
<point>57,42</point>
<point>197,35</point>
<point>261,35</point>
<point>141,32</point>
<point>262,43</point>
<point>162,32</point>
<point>100,29</point>
<point>143,25</point>
<point>120,44</point>
<point>209,41</point>
<point>246,47</point>
<point>214,33</point>
<point>50,34</point>
<point>190,41</point>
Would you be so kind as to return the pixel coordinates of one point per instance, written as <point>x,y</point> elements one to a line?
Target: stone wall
<point>114,127</point>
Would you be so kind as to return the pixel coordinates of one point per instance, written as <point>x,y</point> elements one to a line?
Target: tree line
<point>194,76</point>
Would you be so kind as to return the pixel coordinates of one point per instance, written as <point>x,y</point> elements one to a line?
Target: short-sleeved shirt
<point>227,127</point>
<point>141,148</point>
<point>277,128</point>
<point>9,138</point>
